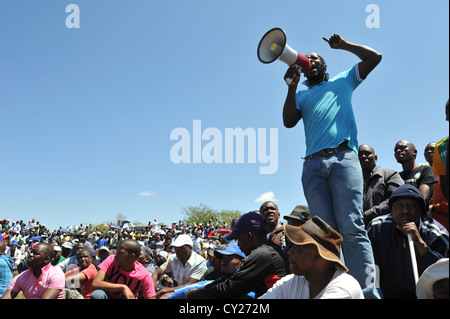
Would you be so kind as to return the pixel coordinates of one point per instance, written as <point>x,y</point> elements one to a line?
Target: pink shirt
<point>34,288</point>
<point>139,279</point>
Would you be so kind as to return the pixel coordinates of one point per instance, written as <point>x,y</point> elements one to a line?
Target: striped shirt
<point>195,268</point>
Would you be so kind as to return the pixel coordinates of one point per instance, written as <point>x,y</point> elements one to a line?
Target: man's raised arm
<point>370,58</point>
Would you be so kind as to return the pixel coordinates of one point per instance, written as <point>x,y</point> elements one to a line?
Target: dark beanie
<point>408,191</point>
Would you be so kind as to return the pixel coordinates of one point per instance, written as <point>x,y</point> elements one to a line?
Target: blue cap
<point>232,249</point>
<point>14,242</point>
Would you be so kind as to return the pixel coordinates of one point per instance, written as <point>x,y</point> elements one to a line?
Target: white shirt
<point>17,255</point>
<point>197,243</point>
<point>195,268</point>
<point>16,228</point>
<point>341,286</point>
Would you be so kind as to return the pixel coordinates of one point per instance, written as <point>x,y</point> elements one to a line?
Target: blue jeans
<point>333,188</point>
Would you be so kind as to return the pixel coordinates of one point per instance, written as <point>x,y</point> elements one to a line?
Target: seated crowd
<point>256,256</point>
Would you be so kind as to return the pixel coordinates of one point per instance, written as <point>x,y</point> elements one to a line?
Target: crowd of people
<point>80,252</point>
<point>259,255</point>
<point>367,232</point>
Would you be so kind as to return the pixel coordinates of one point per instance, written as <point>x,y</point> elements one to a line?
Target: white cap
<point>182,240</point>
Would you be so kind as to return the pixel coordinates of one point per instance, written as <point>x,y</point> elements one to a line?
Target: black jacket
<point>392,256</point>
<point>262,268</point>
<point>377,190</point>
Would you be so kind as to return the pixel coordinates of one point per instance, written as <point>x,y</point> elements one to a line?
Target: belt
<point>329,151</point>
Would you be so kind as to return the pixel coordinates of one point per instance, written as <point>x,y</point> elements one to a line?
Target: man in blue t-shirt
<point>332,177</point>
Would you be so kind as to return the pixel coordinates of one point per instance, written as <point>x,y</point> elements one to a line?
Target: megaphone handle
<point>289,80</point>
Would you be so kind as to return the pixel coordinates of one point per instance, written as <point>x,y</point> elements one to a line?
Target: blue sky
<point>86,113</point>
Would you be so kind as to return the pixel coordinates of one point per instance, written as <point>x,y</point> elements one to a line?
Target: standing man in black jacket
<point>379,184</point>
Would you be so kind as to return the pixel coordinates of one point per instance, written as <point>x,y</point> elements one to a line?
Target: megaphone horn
<point>273,47</point>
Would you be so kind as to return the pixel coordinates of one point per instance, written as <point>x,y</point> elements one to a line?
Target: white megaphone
<point>273,46</point>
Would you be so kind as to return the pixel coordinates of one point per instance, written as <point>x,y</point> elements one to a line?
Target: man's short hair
<point>83,250</point>
<point>131,246</point>
<point>49,251</point>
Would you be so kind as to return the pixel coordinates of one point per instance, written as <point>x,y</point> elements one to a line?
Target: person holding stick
<point>391,236</point>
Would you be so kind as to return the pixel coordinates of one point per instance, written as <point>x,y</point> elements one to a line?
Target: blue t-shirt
<point>6,272</point>
<point>327,112</point>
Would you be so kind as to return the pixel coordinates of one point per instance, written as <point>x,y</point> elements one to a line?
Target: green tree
<point>103,228</point>
<point>203,214</point>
